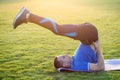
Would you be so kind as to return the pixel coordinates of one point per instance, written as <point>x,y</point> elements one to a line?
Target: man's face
<point>65,60</point>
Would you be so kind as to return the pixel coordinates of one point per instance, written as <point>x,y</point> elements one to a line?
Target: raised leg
<point>25,16</point>
<point>68,30</point>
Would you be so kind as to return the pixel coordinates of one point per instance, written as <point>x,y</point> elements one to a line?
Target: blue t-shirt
<point>83,55</point>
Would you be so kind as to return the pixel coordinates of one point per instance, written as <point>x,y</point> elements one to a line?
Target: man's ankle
<point>27,16</point>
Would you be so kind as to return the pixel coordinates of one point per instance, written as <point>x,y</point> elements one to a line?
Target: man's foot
<point>21,17</point>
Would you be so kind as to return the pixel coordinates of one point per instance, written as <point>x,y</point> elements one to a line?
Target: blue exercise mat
<point>110,65</point>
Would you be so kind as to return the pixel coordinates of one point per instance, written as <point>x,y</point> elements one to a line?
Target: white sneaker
<point>21,17</point>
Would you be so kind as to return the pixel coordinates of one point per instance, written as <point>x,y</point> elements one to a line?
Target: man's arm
<point>100,65</point>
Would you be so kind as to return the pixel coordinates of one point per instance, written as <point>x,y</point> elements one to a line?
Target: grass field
<point>27,53</point>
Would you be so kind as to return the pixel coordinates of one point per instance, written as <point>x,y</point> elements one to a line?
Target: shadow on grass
<point>79,76</point>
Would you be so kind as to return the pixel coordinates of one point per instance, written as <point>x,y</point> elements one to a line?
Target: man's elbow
<point>101,68</point>
<point>96,67</point>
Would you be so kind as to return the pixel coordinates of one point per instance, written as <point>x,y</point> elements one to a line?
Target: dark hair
<point>57,64</point>
<point>87,33</point>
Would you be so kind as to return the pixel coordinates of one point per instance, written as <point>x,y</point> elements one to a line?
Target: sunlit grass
<point>27,53</point>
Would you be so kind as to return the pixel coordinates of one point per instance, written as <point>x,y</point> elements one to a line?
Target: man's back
<point>83,55</point>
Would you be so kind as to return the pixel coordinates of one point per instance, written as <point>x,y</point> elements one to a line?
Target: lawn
<point>27,53</point>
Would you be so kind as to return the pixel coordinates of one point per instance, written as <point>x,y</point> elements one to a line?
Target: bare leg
<point>68,30</point>
<point>25,16</point>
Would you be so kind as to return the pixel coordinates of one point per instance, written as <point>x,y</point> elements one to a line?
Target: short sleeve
<point>81,66</point>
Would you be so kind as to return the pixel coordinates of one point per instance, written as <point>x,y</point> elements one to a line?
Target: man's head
<point>87,33</point>
<point>62,61</point>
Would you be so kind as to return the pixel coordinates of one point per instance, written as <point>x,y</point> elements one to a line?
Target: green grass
<point>27,53</point>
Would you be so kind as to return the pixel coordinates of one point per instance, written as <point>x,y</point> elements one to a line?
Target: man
<point>88,56</point>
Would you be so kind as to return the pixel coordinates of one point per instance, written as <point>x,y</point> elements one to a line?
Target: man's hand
<point>97,47</point>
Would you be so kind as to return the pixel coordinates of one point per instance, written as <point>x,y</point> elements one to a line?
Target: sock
<point>27,16</point>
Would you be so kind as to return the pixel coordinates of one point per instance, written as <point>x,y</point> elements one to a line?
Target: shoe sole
<point>18,16</point>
